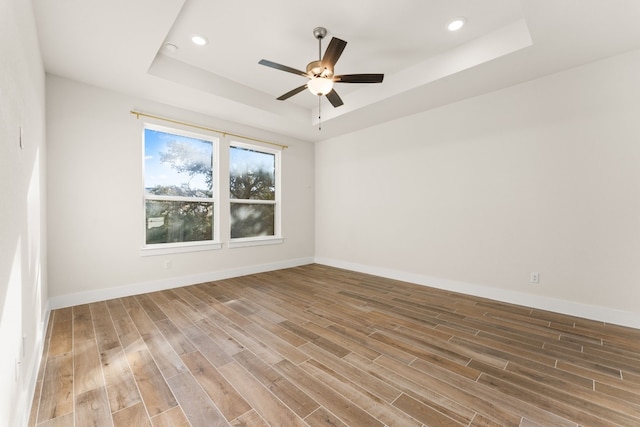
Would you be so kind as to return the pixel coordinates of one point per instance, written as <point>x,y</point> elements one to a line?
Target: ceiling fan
<point>320,73</point>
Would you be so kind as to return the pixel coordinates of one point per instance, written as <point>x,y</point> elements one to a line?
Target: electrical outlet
<point>535,277</point>
<point>167,264</point>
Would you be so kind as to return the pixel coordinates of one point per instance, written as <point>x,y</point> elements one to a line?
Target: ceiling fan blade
<point>334,99</point>
<point>292,92</point>
<point>333,52</point>
<point>359,78</point>
<point>282,67</point>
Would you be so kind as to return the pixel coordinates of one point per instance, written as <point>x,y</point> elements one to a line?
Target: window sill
<point>177,248</point>
<point>255,241</point>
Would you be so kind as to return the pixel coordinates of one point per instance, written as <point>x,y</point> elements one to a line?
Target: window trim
<point>181,247</point>
<point>276,202</point>
<point>244,242</point>
<point>190,246</point>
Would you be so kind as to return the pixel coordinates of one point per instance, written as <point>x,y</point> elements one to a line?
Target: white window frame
<point>259,240</point>
<point>193,246</point>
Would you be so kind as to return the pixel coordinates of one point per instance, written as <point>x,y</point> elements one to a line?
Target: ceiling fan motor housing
<point>316,69</point>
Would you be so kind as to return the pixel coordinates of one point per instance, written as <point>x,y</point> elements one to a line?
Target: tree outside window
<point>253,191</point>
<point>179,190</point>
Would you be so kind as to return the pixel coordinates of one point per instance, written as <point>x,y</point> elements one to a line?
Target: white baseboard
<point>592,312</point>
<point>31,372</point>
<point>78,298</point>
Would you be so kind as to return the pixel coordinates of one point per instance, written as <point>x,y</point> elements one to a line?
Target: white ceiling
<point>120,45</point>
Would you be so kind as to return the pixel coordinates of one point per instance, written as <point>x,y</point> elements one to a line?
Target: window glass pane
<point>176,165</point>
<point>173,221</point>
<point>252,220</point>
<point>252,174</point>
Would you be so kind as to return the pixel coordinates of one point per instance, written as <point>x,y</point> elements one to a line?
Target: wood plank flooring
<point>319,346</point>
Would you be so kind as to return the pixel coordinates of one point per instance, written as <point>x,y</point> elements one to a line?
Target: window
<point>254,192</point>
<point>179,188</point>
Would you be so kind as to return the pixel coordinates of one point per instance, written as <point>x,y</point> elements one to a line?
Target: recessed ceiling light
<point>171,47</point>
<point>456,24</point>
<point>199,40</point>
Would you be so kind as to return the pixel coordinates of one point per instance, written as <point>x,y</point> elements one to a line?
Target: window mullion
<point>179,198</point>
<point>253,201</point>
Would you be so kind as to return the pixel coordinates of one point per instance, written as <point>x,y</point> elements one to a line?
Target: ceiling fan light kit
<point>320,86</point>
<point>321,72</point>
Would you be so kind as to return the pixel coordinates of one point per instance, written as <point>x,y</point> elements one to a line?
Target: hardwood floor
<point>315,345</point>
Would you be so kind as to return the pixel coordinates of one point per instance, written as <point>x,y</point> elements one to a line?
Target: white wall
<point>95,201</point>
<point>23,272</point>
<point>541,177</point>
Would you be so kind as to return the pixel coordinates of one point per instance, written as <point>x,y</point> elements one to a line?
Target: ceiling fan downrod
<point>319,33</point>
